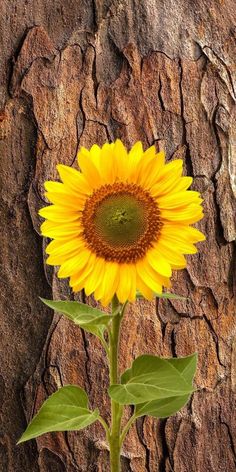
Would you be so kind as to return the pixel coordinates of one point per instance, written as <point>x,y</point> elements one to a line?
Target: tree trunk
<point>82,72</point>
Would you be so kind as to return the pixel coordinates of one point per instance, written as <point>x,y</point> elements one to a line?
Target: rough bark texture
<point>74,73</point>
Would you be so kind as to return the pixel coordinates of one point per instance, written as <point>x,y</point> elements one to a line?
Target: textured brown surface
<point>79,72</point>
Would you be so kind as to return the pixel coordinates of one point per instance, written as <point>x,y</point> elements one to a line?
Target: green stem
<point>126,428</point>
<point>103,423</point>
<point>116,409</point>
<point>104,344</point>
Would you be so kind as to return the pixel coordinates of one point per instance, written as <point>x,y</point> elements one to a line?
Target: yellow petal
<point>168,176</point>
<point>73,265</point>
<point>98,293</point>
<point>144,289</point>
<point>179,185</point>
<point>169,253</point>
<point>57,260</point>
<point>187,215</point>
<point>134,157</point>
<point>89,170</point>
<point>180,199</point>
<point>73,179</point>
<point>107,164</point>
<point>148,159</point>
<point>60,189</point>
<point>52,229</point>
<point>126,284</point>
<point>148,275</point>
<point>81,275</point>
<point>180,244</point>
<point>158,262</point>
<point>95,155</point>
<point>96,276</point>
<point>121,160</point>
<point>150,172</point>
<point>59,214</point>
<point>65,200</point>
<point>179,267</point>
<point>110,282</point>
<point>58,247</point>
<point>185,232</point>
<point>82,278</point>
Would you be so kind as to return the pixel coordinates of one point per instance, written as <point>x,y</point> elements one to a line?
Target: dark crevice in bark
<point>81,105</point>
<point>164,54</point>
<point>173,343</point>
<point>185,142</point>
<point>83,120</point>
<point>13,60</point>
<point>160,95</point>
<point>189,405</point>
<point>215,339</point>
<point>224,66</point>
<point>232,272</point>
<point>140,432</point>
<point>48,342</point>
<point>87,361</point>
<point>231,440</point>
<point>93,454</point>
<point>95,15</point>
<point>165,449</point>
<point>162,323</point>
<point>94,76</point>
<point>219,230</point>
<point>71,452</point>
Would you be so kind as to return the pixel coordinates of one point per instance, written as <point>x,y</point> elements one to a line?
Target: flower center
<point>120,221</point>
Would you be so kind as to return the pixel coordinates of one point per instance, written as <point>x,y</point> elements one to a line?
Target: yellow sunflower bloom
<point>121,223</point>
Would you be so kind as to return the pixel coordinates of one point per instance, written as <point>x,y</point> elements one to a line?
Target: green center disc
<point>120,220</point>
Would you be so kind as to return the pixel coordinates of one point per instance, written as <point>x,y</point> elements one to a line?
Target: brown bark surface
<point>77,72</point>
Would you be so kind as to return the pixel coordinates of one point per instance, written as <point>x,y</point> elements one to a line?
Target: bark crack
<point>165,449</point>
<point>140,432</point>
<point>160,95</point>
<point>231,439</point>
<point>185,142</point>
<point>215,339</point>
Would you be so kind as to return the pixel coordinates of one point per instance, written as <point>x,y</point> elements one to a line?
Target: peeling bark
<point>76,73</point>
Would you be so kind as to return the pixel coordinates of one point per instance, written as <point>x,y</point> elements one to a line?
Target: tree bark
<point>82,72</point>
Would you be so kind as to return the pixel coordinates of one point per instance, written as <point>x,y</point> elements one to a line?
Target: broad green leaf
<point>65,410</point>
<point>169,406</point>
<point>162,408</point>
<point>150,378</point>
<point>91,319</point>
<point>166,295</point>
<point>186,365</point>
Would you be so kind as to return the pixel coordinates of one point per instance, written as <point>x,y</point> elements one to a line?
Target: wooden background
<point>77,72</point>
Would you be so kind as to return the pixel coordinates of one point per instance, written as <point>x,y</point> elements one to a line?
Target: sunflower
<point>122,222</point>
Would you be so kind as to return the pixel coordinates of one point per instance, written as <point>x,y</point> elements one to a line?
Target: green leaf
<point>65,410</point>
<point>162,408</point>
<point>186,366</point>
<point>169,406</point>
<point>166,295</point>
<point>90,319</point>
<point>150,378</point>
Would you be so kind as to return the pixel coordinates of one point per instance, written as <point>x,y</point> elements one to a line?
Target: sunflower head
<point>122,222</point>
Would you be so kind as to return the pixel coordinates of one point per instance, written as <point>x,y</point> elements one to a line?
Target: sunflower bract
<point>121,222</point>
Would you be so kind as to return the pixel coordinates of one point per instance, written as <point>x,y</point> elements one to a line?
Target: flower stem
<point>103,423</point>
<point>116,409</point>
